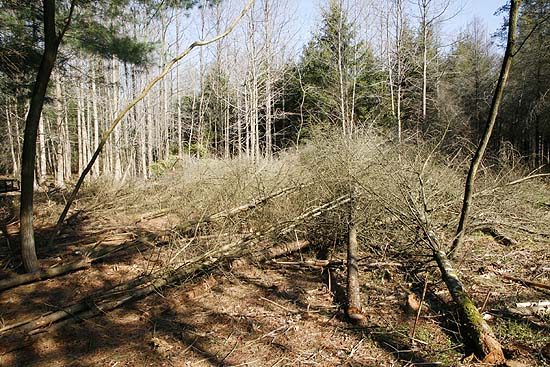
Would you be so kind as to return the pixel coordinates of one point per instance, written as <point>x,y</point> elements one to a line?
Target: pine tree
<point>338,74</point>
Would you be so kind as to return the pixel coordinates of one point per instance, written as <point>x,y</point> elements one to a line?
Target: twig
<point>485,302</point>
<point>419,308</point>
<point>525,282</point>
<point>278,305</point>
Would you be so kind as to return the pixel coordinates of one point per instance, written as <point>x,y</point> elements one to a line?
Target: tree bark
<point>51,46</point>
<point>497,98</point>
<point>477,332</point>
<point>353,287</point>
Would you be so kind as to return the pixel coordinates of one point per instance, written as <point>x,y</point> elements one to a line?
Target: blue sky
<point>483,9</point>
<point>308,12</point>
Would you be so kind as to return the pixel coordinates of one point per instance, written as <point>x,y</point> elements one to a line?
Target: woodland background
<point>257,92</point>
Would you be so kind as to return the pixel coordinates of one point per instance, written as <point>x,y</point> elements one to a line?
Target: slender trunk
<point>424,58</point>
<point>94,98</point>
<point>190,142</point>
<point>17,133</point>
<point>67,142</point>
<point>239,124</point>
<point>79,128</point>
<point>116,142</point>
<point>342,86</point>
<point>178,100</point>
<point>59,143</point>
<point>353,287</point>
<point>268,91</point>
<point>149,126</point>
<point>476,160</point>
<point>15,167</point>
<point>42,151</point>
<point>28,251</point>
<point>390,68</point>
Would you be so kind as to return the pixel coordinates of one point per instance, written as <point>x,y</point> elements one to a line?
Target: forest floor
<point>270,313</point>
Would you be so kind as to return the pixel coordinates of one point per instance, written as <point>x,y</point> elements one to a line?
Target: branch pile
<point>18,335</point>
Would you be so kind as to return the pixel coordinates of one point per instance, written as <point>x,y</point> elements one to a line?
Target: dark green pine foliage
<point>525,117</point>
<point>335,84</point>
<point>20,33</point>
<point>97,27</point>
<point>472,71</point>
<point>217,110</point>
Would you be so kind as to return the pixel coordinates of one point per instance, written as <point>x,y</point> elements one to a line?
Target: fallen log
<point>242,208</point>
<point>526,282</point>
<point>44,274</point>
<point>60,270</point>
<point>336,263</point>
<point>277,251</point>
<point>313,263</point>
<point>476,329</point>
<point>84,264</point>
<point>21,334</point>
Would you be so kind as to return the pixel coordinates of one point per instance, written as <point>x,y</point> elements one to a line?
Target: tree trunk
<point>51,46</point>
<point>94,97</point>
<point>476,161</point>
<point>477,331</point>
<point>60,141</point>
<point>353,288</point>
<point>15,166</point>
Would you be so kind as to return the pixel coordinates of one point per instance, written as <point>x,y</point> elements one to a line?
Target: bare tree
<point>495,104</point>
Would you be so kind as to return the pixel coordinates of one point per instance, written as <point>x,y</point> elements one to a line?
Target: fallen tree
<point>101,254</point>
<point>477,334</point>
<point>475,328</point>
<point>21,334</point>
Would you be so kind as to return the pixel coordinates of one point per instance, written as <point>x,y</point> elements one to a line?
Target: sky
<point>308,12</point>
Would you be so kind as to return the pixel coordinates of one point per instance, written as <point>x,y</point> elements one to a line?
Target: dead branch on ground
<point>526,282</point>
<point>21,334</point>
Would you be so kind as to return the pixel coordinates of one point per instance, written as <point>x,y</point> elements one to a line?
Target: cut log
<point>354,308</point>
<point>279,250</point>
<point>476,330</point>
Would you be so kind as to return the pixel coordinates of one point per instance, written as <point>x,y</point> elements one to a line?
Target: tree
<point>526,123</point>
<point>491,119</point>
<point>431,13</point>
<point>338,73</point>
<point>52,40</point>
<point>471,71</point>
<point>92,34</point>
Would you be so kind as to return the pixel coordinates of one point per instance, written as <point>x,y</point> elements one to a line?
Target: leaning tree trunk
<point>476,161</point>
<point>477,332</point>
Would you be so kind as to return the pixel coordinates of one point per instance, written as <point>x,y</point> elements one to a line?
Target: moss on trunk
<point>477,332</point>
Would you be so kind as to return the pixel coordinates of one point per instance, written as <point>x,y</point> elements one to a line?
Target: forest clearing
<point>184,183</point>
<point>250,306</point>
